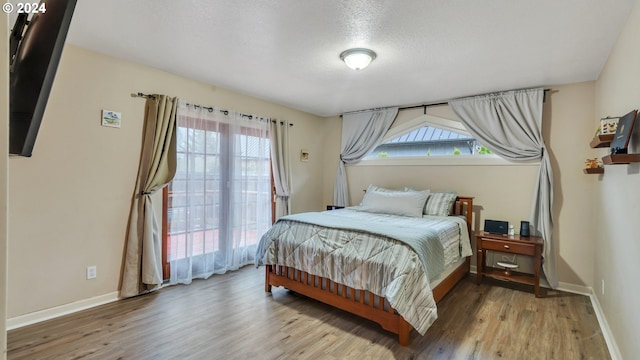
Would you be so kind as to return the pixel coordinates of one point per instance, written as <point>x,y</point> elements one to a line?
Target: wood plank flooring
<point>231,317</point>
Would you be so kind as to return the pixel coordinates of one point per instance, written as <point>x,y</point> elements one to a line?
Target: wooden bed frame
<point>362,302</point>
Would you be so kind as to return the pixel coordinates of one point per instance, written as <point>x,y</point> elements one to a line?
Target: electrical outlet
<point>92,272</point>
<point>602,288</point>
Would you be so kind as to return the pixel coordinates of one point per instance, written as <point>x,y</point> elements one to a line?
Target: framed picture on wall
<point>620,141</point>
<point>111,118</point>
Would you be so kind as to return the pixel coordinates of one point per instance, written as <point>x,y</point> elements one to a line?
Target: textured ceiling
<point>287,52</point>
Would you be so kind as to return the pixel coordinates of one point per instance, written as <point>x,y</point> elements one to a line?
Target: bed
<point>373,260</point>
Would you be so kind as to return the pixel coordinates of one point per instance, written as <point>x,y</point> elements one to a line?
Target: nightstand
<point>515,244</point>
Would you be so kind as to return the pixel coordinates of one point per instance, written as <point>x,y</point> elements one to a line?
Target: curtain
<point>143,257</point>
<point>510,125</point>
<point>220,199</point>
<point>279,132</point>
<point>361,133</point>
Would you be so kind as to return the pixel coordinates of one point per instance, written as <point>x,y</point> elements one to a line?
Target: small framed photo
<point>608,126</point>
<point>111,118</point>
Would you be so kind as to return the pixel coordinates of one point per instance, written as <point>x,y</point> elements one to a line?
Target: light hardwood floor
<point>231,317</point>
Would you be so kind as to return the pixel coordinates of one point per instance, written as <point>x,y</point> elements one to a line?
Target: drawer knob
<point>506,246</point>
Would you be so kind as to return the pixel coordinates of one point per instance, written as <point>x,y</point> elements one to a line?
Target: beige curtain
<point>510,124</point>
<point>362,131</point>
<point>279,133</point>
<point>143,257</point>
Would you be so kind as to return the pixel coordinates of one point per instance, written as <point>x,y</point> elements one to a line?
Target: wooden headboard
<point>464,206</point>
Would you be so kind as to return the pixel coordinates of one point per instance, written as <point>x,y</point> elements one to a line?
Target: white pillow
<point>406,203</point>
<point>371,188</point>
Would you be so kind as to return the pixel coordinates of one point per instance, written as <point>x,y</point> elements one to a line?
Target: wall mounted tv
<point>35,50</point>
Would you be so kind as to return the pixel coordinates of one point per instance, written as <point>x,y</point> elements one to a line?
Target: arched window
<point>428,136</point>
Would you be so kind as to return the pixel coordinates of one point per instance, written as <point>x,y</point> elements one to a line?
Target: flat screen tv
<point>34,57</point>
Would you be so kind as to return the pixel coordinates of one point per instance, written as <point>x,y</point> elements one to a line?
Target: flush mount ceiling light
<point>358,58</point>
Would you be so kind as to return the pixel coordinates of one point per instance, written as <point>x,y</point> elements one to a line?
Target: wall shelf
<point>620,159</point>
<point>600,141</point>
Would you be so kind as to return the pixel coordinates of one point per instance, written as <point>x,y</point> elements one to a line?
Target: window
<point>219,203</point>
<point>428,136</point>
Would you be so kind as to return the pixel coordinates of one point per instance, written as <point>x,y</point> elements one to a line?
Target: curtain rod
<point>146,96</point>
<point>226,112</point>
<point>425,106</point>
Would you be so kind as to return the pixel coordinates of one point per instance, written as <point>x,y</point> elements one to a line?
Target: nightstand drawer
<point>509,247</point>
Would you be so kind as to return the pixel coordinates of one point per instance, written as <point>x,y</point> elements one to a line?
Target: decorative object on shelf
<point>620,141</point>
<point>592,163</point>
<point>524,229</point>
<point>593,166</point>
<point>608,125</point>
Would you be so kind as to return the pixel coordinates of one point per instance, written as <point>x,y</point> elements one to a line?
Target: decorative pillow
<point>440,203</point>
<point>406,203</point>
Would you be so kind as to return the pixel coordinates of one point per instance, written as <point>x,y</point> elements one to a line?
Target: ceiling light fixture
<point>358,58</point>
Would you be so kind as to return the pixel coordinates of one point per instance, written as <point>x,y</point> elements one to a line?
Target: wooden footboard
<point>357,302</point>
<point>362,302</point>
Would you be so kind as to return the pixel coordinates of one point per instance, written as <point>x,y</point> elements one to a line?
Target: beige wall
<point>505,192</point>
<point>4,149</point>
<point>70,202</point>
<point>567,122</point>
<point>617,195</point>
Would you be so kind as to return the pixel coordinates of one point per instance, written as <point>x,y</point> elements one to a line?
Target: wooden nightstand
<point>528,246</point>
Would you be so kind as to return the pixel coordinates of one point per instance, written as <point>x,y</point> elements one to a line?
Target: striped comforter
<point>388,255</point>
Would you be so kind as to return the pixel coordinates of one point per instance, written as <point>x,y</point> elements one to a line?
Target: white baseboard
<point>614,350</point>
<point>570,288</point>
<point>54,312</point>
